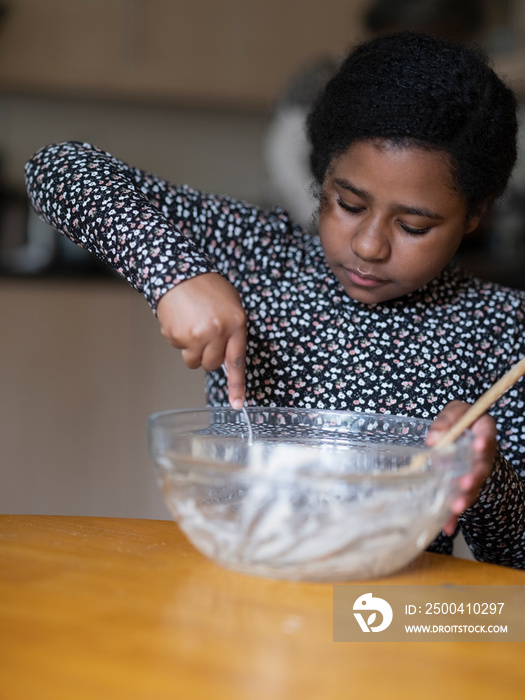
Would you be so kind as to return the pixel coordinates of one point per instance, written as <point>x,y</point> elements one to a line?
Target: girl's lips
<point>362,279</point>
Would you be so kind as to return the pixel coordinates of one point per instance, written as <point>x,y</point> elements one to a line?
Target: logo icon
<point>368,604</point>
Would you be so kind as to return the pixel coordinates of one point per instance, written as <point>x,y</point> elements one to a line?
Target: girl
<point>412,140</point>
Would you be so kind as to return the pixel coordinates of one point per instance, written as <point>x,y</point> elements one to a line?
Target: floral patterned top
<point>309,344</point>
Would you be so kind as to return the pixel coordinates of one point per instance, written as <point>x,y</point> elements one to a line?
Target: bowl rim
<point>285,409</point>
<point>221,468</point>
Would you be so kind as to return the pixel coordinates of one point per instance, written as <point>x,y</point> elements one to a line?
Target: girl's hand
<point>485,445</point>
<point>204,317</point>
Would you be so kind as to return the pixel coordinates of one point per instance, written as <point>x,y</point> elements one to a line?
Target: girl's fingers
<point>213,355</point>
<point>192,357</point>
<point>484,446</point>
<point>231,353</point>
<point>445,420</point>
<point>235,361</point>
<point>449,528</point>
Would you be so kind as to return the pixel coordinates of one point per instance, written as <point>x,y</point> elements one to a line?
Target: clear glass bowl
<point>318,495</point>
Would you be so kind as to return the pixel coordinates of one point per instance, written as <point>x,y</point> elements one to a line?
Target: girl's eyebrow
<point>346,185</point>
<point>405,209</point>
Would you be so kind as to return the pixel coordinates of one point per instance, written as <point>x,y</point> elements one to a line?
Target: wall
<point>82,366</point>
<point>211,149</point>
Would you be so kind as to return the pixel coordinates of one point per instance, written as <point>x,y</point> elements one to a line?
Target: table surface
<point>121,608</point>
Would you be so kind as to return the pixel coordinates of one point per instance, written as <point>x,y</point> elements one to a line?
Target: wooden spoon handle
<point>484,402</point>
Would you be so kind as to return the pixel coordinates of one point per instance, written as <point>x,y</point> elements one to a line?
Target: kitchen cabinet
<point>82,365</point>
<point>221,52</point>
<point>229,53</point>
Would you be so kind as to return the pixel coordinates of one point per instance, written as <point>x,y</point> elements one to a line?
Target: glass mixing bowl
<point>318,495</point>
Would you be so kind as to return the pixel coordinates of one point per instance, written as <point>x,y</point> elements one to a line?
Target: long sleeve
<point>494,526</point>
<point>121,214</point>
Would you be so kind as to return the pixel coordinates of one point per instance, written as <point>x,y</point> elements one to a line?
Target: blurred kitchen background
<point>208,92</point>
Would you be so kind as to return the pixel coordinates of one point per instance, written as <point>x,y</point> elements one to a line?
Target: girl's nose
<point>370,241</point>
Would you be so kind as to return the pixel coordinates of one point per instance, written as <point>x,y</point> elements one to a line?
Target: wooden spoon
<point>477,409</point>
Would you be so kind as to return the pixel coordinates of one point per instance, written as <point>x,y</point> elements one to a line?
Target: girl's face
<point>390,219</point>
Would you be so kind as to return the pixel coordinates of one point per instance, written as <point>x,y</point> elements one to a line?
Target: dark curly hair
<point>416,89</point>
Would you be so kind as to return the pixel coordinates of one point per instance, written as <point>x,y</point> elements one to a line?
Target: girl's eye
<point>349,207</point>
<point>357,210</point>
<point>414,231</point>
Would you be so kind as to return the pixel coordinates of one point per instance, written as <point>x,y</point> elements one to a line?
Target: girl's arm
<point>121,214</point>
<point>153,234</point>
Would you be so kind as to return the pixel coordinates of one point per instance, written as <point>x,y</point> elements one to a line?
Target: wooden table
<point>113,608</point>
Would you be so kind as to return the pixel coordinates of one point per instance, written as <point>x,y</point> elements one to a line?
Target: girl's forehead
<point>393,154</point>
<point>393,170</point>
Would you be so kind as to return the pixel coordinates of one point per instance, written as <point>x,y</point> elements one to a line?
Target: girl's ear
<point>474,220</point>
<point>472,224</point>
